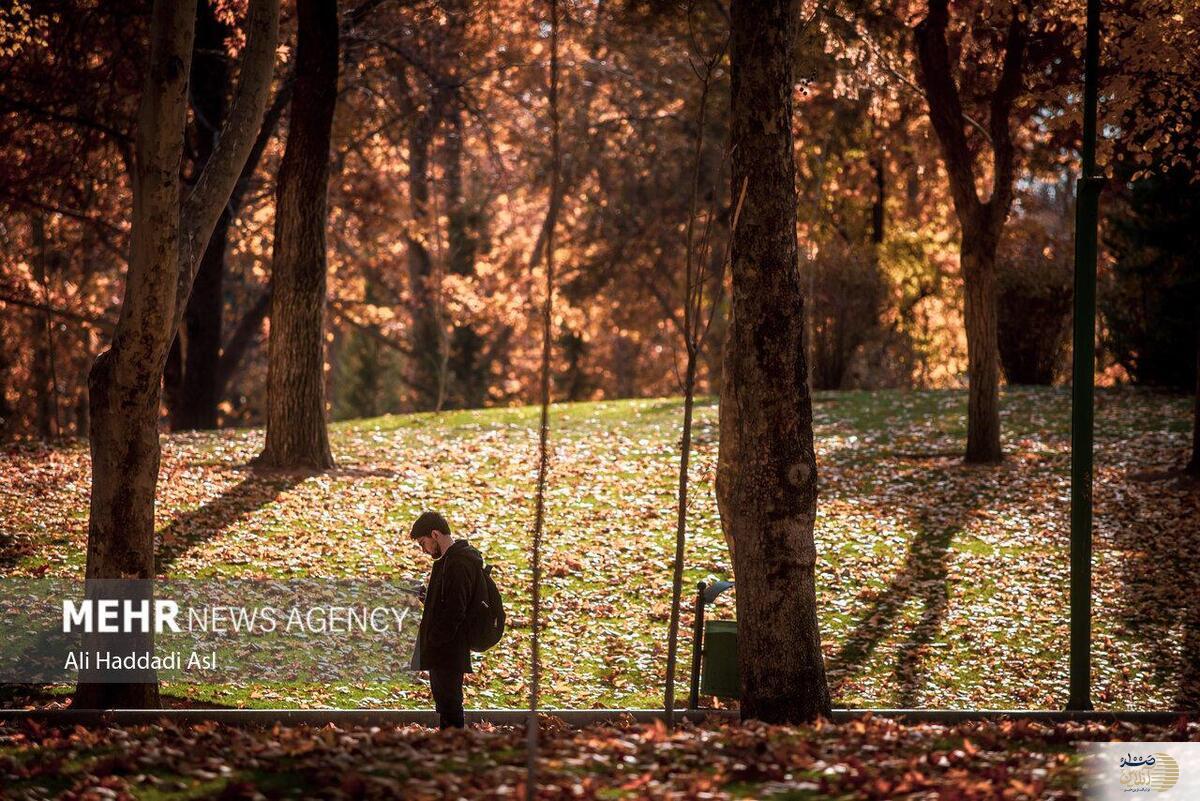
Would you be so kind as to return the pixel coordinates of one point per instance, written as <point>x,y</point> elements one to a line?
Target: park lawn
<point>940,585</point>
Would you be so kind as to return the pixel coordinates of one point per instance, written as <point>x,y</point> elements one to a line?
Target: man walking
<point>442,644</point>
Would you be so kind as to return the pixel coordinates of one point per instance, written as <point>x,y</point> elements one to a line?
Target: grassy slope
<point>940,585</point>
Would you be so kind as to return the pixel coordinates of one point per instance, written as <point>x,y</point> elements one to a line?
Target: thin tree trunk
<point>766,472</point>
<point>39,371</point>
<point>1193,466</point>
<point>695,330</point>
<point>981,221</point>
<point>166,241</point>
<point>468,372</point>
<point>685,452</point>
<point>200,390</point>
<point>83,420</point>
<point>574,168</point>
<point>532,726</point>
<point>426,339</point>
<point>878,204</point>
<point>296,430</point>
<point>6,364</point>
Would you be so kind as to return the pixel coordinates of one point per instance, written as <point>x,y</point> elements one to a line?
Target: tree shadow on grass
<point>1155,539</point>
<point>258,489</point>
<point>937,514</point>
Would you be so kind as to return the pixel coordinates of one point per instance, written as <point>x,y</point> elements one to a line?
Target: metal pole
<point>697,647</point>
<point>1082,380</point>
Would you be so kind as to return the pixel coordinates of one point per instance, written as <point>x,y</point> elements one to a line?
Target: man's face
<point>430,545</point>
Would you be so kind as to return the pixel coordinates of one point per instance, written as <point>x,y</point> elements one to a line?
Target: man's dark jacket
<point>442,635</point>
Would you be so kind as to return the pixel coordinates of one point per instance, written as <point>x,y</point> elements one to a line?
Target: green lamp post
<point>1082,379</point>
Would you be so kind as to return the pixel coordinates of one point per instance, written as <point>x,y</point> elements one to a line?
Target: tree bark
<point>983,353</point>
<point>166,241</point>
<point>981,222</point>
<point>879,203</point>
<point>245,334</point>
<point>426,340</point>
<point>766,473</point>
<point>1193,466</point>
<point>6,364</point>
<point>196,383</point>
<point>296,432</point>
<point>197,395</point>
<point>195,406</point>
<point>124,381</point>
<point>40,368</point>
<point>468,372</point>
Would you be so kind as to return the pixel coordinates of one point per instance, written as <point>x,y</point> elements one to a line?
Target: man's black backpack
<point>487,616</point>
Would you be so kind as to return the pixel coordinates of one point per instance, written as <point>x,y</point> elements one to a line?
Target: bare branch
<point>1005,94</point>
<point>99,321</point>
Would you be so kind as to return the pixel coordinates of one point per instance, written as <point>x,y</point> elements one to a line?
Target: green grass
<point>940,585</point>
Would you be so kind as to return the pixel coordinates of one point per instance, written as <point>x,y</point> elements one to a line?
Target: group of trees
<point>913,229</point>
<point>158,213</point>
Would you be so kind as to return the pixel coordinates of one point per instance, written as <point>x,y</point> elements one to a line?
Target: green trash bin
<point>720,674</point>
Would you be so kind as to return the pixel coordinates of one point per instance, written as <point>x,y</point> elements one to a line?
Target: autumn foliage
<point>440,165</point>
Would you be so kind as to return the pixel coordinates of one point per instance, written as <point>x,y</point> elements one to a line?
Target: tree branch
<point>101,226</point>
<point>274,112</point>
<point>99,321</point>
<point>945,106</point>
<point>1007,89</point>
<point>335,306</point>
<point>243,336</point>
<point>220,175</point>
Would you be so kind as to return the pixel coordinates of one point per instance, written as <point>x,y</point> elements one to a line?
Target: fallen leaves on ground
<point>866,758</point>
<point>940,585</point>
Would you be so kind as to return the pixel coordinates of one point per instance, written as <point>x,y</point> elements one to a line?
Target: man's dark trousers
<point>447,687</point>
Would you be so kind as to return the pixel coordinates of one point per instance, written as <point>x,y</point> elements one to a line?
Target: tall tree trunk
<point>193,391</point>
<point>296,431</point>
<point>166,241</point>
<point>426,375</point>
<point>199,389</point>
<point>532,725</point>
<point>124,382</point>
<point>766,473</point>
<point>695,329</point>
<point>468,376</point>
